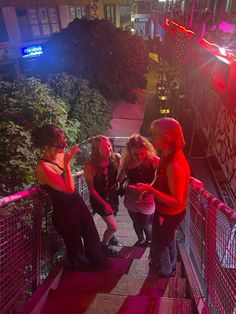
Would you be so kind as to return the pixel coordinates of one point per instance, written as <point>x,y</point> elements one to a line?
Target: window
<point>110,13</point>
<point>3,30</point>
<point>125,14</point>
<point>38,22</point>
<point>78,12</point>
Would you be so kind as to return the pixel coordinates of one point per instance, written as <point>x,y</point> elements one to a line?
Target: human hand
<point>140,187</point>
<point>69,155</point>
<point>114,187</point>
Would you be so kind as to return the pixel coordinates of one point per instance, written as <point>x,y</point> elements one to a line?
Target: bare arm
<point>177,183</point>
<point>47,174</point>
<point>122,169</point>
<point>89,176</point>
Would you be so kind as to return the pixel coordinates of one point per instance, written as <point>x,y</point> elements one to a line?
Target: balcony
<point>33,278</point>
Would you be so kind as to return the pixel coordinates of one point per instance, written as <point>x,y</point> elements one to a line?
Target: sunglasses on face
<point>61,146</point>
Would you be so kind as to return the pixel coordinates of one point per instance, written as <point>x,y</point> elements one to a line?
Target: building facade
<point>26,24</point>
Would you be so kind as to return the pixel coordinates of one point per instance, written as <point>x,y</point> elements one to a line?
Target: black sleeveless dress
<point>73,221</point>
<point>105,183</point>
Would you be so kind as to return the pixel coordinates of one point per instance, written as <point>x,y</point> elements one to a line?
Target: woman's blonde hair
<point>171,130</point>
<point>136,141</point>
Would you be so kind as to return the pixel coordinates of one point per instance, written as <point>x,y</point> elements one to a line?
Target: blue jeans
<point>163,246</point>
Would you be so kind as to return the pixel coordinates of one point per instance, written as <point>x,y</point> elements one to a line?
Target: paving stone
<point>77,303</point>
<point>132,252</point>
<point>139,268</point>
<point>173,306</point>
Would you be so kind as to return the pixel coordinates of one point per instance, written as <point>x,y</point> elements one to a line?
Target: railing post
<point>37,222</point>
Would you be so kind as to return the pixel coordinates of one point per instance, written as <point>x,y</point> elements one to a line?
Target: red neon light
<point>204,42</point>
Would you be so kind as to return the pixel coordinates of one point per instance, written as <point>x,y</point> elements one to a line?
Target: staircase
<point>127,287</point>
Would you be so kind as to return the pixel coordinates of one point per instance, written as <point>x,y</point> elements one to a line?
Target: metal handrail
<point>209,231</point>
<point>29,244</point>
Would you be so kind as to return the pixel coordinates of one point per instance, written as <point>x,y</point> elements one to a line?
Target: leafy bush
<point>113,60</point>
<point>24,105</point>
<point>84,104</point>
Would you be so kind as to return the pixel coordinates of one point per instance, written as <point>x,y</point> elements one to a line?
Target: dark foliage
<point>113,60</point>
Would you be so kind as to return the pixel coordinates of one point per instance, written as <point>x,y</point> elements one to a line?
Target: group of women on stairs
<point>158,177</point>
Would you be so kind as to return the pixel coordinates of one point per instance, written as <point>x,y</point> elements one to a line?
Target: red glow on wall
<point>227,56</point>
<point>216,63</point>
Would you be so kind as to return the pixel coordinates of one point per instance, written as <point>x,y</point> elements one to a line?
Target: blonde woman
<point>139,166</point>
<point>101,173</point>
<point>170,191</point>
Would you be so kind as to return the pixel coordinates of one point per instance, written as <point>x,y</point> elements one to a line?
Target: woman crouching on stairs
<point>71,217</point>
<point>101,173</point>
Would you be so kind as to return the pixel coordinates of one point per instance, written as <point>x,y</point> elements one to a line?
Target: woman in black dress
<point>71,217</point>
<point>101,173</point>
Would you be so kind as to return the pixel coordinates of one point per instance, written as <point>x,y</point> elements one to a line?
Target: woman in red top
<point>170,191</point>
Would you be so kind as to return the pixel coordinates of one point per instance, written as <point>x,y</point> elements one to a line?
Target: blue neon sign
<point>32,51</point>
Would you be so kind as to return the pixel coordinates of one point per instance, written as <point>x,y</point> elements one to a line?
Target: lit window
<point>165,111</point>
<point>38,22</point>
<point>77,12</point>
<point>110,13</point>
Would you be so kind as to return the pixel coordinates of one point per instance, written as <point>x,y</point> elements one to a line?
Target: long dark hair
<point>47,134</point>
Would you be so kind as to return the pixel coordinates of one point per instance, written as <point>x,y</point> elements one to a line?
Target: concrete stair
<point>127,287</point>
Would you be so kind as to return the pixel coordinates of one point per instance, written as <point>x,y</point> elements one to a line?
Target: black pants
<point>77,228</point>
<point>142,225</point>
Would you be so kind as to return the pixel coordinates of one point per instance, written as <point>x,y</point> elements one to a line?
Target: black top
<point>60,200</point>
<point>105,180</point>
<point>144,173</point>
<point>105,183</point>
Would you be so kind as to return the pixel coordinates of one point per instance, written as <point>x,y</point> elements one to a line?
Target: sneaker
<point>140,243</point>
<point>109,251</point>
<point>147,243</point>
<point>115,242</point>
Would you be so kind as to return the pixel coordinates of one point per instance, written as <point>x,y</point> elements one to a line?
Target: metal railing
<point>210,237</point>
<point>29,246</point>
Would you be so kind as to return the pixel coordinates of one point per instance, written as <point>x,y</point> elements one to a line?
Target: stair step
<point>176,288</point>
<point>60,302</point>
<point>91,282</point>
<point>134,252</point>
<point>174,306</point>
<point>114,284</point>
<point>140,267</point>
